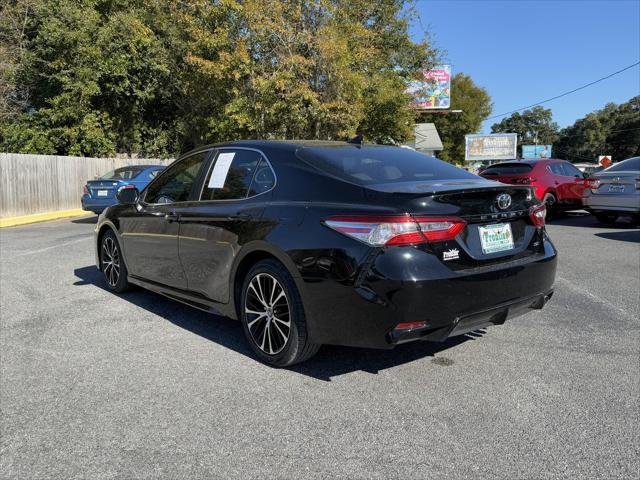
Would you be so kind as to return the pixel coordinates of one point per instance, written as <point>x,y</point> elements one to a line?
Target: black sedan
<point>311,243</point>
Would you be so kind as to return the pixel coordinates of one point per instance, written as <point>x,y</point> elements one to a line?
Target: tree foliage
<point>156,77</point>
<point>613,130</point>
<point>535,126</point>
<point>475,103</point>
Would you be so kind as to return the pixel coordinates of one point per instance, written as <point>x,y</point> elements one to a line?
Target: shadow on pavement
<point>632,236</point>
<point>89,220</point>
<point>580,219</point>
<point>331,361</point>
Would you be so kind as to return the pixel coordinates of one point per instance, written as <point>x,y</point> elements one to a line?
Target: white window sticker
<point>220,170</point>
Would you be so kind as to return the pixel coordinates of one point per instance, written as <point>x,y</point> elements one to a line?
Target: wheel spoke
<point>287,323</point>
<point>257,295</point>
<point>284,337</point>
<point>252,322</point>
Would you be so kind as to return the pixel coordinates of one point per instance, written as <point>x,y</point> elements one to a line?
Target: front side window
<point>571,171</point>
<point>237,174</point>
<point>175,183</point>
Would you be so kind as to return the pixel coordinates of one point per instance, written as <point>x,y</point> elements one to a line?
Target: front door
<point>150,232</point>
<point>212,231</point>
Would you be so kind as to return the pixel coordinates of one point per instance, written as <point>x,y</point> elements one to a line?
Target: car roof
<point>529,161</point>
<point>288,145</point>
<point>142,166</point>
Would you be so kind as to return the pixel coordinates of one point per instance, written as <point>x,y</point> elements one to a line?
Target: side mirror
<point>127,195</point>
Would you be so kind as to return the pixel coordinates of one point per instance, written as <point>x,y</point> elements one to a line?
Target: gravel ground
<point>94,385</point>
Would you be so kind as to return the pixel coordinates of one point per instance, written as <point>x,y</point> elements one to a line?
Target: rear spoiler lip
<point>498,186</point>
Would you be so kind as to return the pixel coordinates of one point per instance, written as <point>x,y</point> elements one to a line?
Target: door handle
<point>172,217</point>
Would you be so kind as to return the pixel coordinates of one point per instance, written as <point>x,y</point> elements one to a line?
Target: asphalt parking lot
<point>94,385</point>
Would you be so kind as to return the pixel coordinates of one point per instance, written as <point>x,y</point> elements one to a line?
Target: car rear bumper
<point>365,313</point>
<point>93,205</point>
<point>612,203</point>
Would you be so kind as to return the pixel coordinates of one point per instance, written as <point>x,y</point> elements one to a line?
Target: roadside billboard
<point>433,89</point>
<point>495,146</point>
<point>536,151</point>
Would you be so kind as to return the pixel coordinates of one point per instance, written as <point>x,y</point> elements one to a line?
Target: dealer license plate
<point>496,238</point>
<point>103,193</point>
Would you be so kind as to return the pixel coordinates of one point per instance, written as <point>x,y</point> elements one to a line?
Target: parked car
<point>615,191</point>
<point>98,194</point>
<point>557,183</point>
<point>311,243</point>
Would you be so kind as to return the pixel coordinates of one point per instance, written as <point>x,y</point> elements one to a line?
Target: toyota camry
<point>311,243</point>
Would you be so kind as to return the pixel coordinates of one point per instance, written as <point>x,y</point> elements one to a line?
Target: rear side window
<point>154,173</point>
<point>232,176</point>
<point>508,169</point>
<point>556,169</point>
<point>371,165</point>
<point>632,164</point>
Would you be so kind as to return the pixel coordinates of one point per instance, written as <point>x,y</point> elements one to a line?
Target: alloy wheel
<point>110,261</point>
<point>268,314</point>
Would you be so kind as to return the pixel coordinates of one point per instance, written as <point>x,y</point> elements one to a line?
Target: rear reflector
<point>398,229</point>
<point>410,326</point>
<point>537,214</point>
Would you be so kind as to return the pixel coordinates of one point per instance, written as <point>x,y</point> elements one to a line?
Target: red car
<point>557,182</point>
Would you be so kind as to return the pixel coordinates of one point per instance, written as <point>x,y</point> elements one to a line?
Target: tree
<point>475,103</point>
<point>535,126</point>
<point>613,130</point>
<point>158,77</point>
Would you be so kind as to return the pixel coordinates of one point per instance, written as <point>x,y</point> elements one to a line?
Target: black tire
<point>112,263</point>
<point>263,313</point>
<point>606,218</point>
<point>551,202</point>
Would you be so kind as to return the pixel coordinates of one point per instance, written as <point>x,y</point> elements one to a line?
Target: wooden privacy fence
<point>31,184</point>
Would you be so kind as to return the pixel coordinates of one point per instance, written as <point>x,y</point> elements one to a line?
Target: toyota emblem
<point>504,201</point>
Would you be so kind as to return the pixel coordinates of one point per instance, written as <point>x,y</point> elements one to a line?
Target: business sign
<point>496,146</point>
<point>536,151</point>
<point>433,89</point>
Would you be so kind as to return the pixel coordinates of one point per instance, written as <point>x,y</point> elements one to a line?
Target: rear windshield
<point>508,169</point>
<point>123,173</point>
<point>375,165</point>
<point>631,164</point>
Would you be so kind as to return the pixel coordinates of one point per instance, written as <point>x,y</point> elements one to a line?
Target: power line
<point>565,93</point>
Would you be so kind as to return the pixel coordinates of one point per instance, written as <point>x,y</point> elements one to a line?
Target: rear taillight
<point>538,214</point>
<point>85,190</point>
<point>592,183</point>
<point>637,183</point>
<point>397,230</point>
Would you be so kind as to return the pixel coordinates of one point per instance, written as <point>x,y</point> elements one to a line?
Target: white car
<point>615,191</point>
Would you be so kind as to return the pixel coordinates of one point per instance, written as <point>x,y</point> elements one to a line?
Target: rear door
<point>572,182</point>
<point>237,184</point>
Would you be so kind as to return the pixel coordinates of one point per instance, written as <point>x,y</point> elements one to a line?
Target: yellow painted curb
<point>40,217</point>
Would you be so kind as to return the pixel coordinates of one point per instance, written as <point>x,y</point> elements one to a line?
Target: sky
<point>525,51</point>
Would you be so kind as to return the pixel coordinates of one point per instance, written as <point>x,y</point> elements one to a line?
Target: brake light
<point>126,187</point>
<point>85,190</point>
<point>398,229</point>
<point>538,214</point>
<point>637,183</point>
<point>592,183</point>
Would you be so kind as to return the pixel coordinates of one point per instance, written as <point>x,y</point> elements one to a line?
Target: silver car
<point>615,191</point>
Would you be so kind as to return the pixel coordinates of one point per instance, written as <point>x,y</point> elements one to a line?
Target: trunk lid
<point>617,183</point>
<point>499,228</point>
<point>104,188</point>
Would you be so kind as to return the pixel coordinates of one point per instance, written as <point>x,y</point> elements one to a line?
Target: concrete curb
<point>40,217</point>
